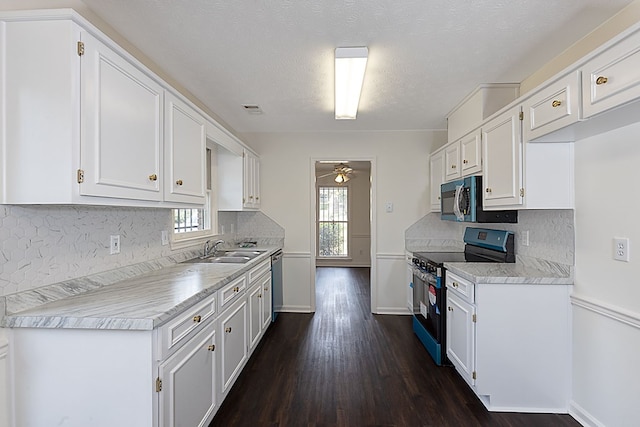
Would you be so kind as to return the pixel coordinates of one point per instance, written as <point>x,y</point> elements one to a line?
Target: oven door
<point>421,283</point>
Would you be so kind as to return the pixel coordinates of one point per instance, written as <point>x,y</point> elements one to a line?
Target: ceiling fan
<point>342,172</point>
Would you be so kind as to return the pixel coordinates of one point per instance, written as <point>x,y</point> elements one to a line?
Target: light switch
<point>388,207</point>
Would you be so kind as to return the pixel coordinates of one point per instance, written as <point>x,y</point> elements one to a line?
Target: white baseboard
<point>295,309</point>
<point>582,416</point>
<point>392,310</point>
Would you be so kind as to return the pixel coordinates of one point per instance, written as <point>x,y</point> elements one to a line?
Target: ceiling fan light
<point>340,178</point>
<point>350,65</point>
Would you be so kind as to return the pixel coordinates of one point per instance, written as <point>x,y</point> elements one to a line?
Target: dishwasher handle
<point>276,257</point>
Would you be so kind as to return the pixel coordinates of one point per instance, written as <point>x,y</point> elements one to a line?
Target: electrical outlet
<point>525,238</point>
<point>165,237</point>
<point>388,207</point>
<point>115,244</point>
<point>621,249</point>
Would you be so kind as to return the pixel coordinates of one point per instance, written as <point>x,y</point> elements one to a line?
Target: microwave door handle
<point>456,203</point>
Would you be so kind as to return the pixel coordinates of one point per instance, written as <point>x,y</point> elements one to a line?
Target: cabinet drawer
<point>259,270</point>
<point>176,331</point>
<point>613,77</point>
<point>552,108</point>
<point>231,292</point>
<point>462,287</point>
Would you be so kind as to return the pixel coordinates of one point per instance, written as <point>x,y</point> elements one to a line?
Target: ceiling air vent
<point>252,109</point>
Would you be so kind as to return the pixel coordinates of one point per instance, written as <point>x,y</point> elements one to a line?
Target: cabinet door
<point>255,315</point>
<point>552,108</point>
<point>461,336</point>
<point>121,126</point>
<point>185,145</point>
<point>409,285</point>
<point>267,295</point>
<point>452,161</point>
<point>612,78</point>
<point>233,328</point>
<point>502,157</point>
<point>471,153</point>
<point>436,164</point>
<point>188,395</point>
<point>251,197</point>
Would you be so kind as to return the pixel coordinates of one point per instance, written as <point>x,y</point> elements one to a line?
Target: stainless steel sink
<point>228,257</point>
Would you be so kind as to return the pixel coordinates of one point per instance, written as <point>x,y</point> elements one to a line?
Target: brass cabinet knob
<point>488,190</point>
<point>153,177</point>
<point>197,319</point>
<point>453,166</point>
<point>228,330</point>
<point>257,198</point>
<point>556,103</point>
<point>212,347</point>
<point>250,197</point>
<point>601,80</point>
<point>465,161</point>
<point>179,182</point>
<point>266,288</point>
<point>455,284</point>
<point>236,289</point>
<point>450,308</point>
<point>259,295</point>
<point>438,197</point>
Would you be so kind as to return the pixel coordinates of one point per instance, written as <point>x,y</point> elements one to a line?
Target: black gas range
<point>429,292</point>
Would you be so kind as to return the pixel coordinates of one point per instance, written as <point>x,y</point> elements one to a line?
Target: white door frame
<point>373,226</point>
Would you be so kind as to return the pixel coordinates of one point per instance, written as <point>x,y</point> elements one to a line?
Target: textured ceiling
<point>424,55</point>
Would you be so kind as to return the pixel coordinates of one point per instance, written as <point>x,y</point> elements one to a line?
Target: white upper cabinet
<point>502,154</point>
<point>436,165</point>
<point>452,161</point>
<point>471,153</point>
<point>612,78</point>
<point>121,126</point>
<point>251,191</point>
<point>86,123</point>
<point>185,146</point>
<point>552,108</point>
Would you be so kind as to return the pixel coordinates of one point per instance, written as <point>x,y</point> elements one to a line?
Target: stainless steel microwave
<point>461,201</point>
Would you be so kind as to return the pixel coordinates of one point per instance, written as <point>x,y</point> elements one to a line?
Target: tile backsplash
<point>551,233</point>
<point>41,245</point>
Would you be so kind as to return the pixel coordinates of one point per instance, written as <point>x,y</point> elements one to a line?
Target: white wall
<point>400,174</point>
<point>606,310</point>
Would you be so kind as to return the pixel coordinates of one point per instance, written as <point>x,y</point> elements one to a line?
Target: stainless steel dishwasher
<point>276,284</point>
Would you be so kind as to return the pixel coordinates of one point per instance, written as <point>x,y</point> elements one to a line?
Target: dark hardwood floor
<point>343,366</point>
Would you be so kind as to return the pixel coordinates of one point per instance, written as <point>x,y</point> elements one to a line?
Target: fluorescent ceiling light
<point>350,65</point>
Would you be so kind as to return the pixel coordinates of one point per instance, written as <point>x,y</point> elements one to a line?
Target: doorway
<point>342,218</point>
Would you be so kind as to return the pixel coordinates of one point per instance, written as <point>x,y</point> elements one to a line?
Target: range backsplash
<point>551,233</point>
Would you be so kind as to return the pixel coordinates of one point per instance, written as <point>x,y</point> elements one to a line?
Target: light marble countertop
<point>142,302</point>
<point>523,271</point>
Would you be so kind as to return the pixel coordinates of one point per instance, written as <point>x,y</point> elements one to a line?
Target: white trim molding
<point>391,256</point>
<point>620,314</point>
<point>582,416</point>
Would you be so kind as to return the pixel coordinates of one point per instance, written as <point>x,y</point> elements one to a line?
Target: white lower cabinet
<point>461,336</point>
<point>188,395</point>
<point>511,343</point>
<point>233,344</point>
<point>175,375</point>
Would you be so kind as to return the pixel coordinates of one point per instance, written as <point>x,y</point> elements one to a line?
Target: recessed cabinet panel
<point>436,164</point>
<point>471,154</point>
<point>267,295</point>
<point>552,108</point>
<point>233,330</point>
<point>461,336</point>
<point>121,126</point>
<point>502,156</point>
<point>188,383</point>
<point>612,78</point>
<point>185,146</point>
<point>452,161</point>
